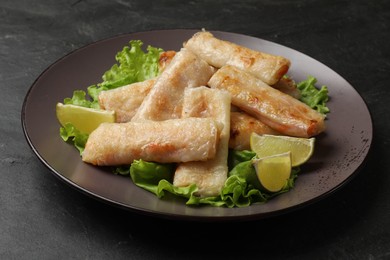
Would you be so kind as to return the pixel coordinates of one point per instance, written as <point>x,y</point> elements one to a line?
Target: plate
<point>339,154</point>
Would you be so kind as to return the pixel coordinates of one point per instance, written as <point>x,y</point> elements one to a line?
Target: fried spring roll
<point>165,58</point>
<point>288,86</point>
<point>175,140</point>
<point>280,111</point>
<point>165,99</point>
<point>242,126</point>
<point>125,100</point>
<point>269,68</point>
<point>209,176</point>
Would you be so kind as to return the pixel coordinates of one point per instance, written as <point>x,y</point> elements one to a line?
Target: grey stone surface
<point>42,218</point>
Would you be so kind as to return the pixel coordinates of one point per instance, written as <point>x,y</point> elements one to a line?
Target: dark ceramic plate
<point>339,153</point>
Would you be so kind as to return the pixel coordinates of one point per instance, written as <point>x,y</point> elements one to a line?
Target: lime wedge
<point>266,145</point>
<point>84,119</point>
<point>274,171</point>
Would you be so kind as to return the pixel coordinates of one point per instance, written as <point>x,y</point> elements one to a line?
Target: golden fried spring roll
<point>125,100</point>
<point>288,86</point>
<point>165,99</point>
<point>269,68</point>
<point>175,140</point>
<point>242,126</point>
<point>209,176</point>
<point>278,110</point>
<point>165,58</point>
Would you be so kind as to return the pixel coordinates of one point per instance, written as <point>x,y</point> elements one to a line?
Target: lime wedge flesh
<point>267,145</point>
<point>84,119</point>
<point>274,171</point>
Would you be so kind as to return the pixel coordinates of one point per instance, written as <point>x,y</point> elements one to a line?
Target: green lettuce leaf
<point>123,170</point>
<point>133,65</point>
<point>247,171</point>
<point>70,134</point>
<point>236,157</point>
<point>241,188</point>
<point>79,98</point>
<point>147,175</point>
<point>313,97</point>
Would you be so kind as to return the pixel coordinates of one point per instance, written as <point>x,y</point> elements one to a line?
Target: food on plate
<point>165,58</point>
<point>164,101</point>
<point>267,67</point>
<point>273,171</point>
<point>280,111</point>
<point>242,126</point>
<point>288,86</point>
<point>267,145</point>
<point>125,100</point>
<point>214,122</point>
<point>313,97</point>
<point>285,84</point>
<point>133,65</point>
<point>175,140</point>
<point>209,176</point>
<point>83,118</point>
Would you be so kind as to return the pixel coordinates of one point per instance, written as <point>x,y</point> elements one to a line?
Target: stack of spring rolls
<point>209,97</point>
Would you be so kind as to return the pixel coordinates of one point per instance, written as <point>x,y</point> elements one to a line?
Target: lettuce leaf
<point>70,134</point>
<point>240,188</point>
<point>80,98</point>
<point>133,65</point>
<point>313,97</point>
<point>147,175</point>
<point>236,157</point>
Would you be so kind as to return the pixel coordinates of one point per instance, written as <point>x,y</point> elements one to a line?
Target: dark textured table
<point>43,218</point>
